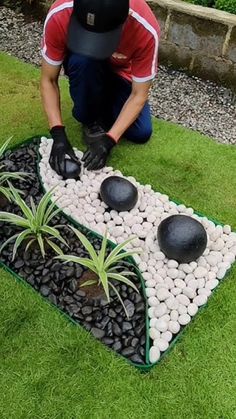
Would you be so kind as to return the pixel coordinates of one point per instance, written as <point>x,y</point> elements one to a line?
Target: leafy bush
<point>35,224</point>
<point>105,268</point>
<point>226,5</point>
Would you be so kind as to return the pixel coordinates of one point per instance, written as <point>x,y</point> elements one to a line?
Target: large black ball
<point>118,193</point>
<point>182,238</point>
<point>72,169</point>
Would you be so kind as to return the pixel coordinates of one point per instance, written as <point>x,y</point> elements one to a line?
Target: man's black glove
<point>96,155</point>
<point>60,148</point>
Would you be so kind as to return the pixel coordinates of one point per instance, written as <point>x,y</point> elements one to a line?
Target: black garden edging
<point>59,283</point>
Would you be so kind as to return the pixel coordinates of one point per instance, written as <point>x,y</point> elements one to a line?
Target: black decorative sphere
<point>72,169</point>
<point>118,193</point>
<point>182,238</point>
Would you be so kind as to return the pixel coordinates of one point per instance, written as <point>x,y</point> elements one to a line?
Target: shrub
<point>226,5</point>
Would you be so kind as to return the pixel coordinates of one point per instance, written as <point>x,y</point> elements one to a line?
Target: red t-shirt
<point>136,56</point>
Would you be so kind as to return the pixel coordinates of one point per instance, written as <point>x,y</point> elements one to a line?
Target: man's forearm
<point>129,113</point>
<point>51,102</point>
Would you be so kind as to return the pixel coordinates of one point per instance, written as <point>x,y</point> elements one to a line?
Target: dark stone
<point>104,322</point>
<point>136,359</point>
<point>31,279</point>
<point>45,272</point>
<point>140,307</point>
<point>87,310</point>
<point>139,330</point>
<point>73,285</point>
<point>109,329</point>
<point>56,267</point>
<point>45,291</point>
<point>142,351</point>
<point>74,308</point>
<point>182,238</point>
<point>134,342</point>
<point>108,341</point>
<point>111,313</point>
<point>72,169</point>
<point>128,351</point>
<point>97,333</point>
<point>129,307</point>
<point>118,193</point>
<point>78,271</point>
<point>117,346</point>
<point>88,319</point>
<point>127,341</point>
<point>80,293</point>
<point>126,326</point>
<point>18,264</point>
<point>53,299</point>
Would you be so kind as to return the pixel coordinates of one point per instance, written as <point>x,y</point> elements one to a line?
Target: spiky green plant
<point>105,268</point>
<point>34,222</point>
<point>6,176</point>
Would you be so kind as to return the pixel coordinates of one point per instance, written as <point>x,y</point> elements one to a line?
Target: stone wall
<point>199,40</point>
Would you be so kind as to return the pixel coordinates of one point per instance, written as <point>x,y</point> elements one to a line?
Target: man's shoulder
<point>60,8</point>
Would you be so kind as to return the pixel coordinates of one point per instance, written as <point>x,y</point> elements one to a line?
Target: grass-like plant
<point>34,222</point>
<point>105,268</point>
<point>5,177</point>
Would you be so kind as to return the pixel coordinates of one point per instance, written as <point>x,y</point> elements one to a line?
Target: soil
<point>92,291</point>
<point>60,283</point>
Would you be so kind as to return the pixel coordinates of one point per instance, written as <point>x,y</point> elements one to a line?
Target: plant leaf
<point>118,257</point>
<point>22,236</point>
<point>41,244</point>
<point>23,206</point>
<point>29,244</point>
<point>118,248</point>
<point>4,146</point>
<point>14,219</point>
<point>89,282</point>
<point>122,278</point>
<point>119,297</point>
<point>54,247</point>
<point>101,255</point>
<point>86,243</point>
<point>8,241</point>
<point>104,282</point>
<point>81,261</point>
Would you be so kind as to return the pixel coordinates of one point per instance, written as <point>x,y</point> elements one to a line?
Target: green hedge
<point>225,5</point>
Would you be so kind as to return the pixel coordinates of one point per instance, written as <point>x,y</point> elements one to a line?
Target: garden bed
<point>175,291</point>
<point>60,283</point>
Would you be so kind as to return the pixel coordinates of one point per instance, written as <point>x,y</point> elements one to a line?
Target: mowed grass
<point>50,368</point>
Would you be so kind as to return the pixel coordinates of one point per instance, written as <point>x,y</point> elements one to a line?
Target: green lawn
<point>50,368</point>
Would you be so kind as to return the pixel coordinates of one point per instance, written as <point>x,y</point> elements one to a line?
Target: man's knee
<point>140,136</point>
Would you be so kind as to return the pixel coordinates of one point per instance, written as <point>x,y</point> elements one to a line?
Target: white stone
<point>212,284</point>
<point>200,272</point>
<point>153,301</point>
<point>212,260</point>
<point>160,310</point>
<point>229,257</point>
<point>204,291</point>
<point>200,300</point>
<point>172,303</point>
<point>161,344</point>
<point>152,322</point>
<point>167,336</point>
<point>174,314</point>
<point>154,354</point>
<point>150,283</point>
<point>183,299</point>
<point>182,309</point>
<point>151,312</point>
<point>169,282</point>
<point>221,273</point>
<point>184,319</point>
<point>179,283</point>
<point>162,294</point>
<point>192,309</point>
<point>189,277</point>
<point>185,268</point>
<point>193,283</point>
<point>175,291</point>
<point>201,283</point>
<point>174,327</point>
<point>154,333</point>
<point>189,292</point>
<point>159,255</point>
<point>227,229</point>
<point>150,292</point>
<point>172,273</point>
<point>172,264</point>
<point>161,325</point>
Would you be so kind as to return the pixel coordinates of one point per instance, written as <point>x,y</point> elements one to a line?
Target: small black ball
<point>118,193</point>
<point>182,238</point>
<point>72,169</point>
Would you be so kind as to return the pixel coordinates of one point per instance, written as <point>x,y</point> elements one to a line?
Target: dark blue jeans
<point>99,94</point>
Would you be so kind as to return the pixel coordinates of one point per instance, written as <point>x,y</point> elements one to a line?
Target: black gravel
<point>200,105</point>
<point>59,283</point>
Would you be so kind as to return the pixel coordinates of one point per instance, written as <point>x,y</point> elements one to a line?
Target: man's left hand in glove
<point>96,155</point>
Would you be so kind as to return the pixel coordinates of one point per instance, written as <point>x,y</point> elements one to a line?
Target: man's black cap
<point>95,27</point>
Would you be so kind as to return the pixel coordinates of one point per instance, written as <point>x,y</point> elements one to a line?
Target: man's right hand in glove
<point>60,148</point>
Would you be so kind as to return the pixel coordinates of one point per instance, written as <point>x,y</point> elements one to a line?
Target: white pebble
<point>154,333</point>
<point>174,314</point>
<point>184,319</point>
<point>166,336</point>
<point>183,299</point>
<point>200,300</point>
<point>200,272</point>
<point>162,294</point>
<point>182,309</point>
<point>153,301</point>
<point>192,309</point>
<point>189,292</point>
<point>154,354</point>
<point>174,327</point>
<point>161,325</point>
<point>221,273</point>
<point>150,292</point>
<point>212,284</point>
<point>161,310</point>
<point>161,344</point>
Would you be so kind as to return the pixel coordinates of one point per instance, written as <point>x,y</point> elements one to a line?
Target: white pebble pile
<point>174,291</point>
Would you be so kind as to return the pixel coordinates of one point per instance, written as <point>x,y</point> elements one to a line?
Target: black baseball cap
<point>95,27</point>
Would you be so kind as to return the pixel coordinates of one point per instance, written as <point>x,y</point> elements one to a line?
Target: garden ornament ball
<point>72,169</point>
<point>119,193</point>
<point>182,238</point>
